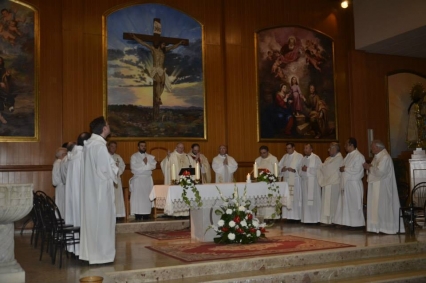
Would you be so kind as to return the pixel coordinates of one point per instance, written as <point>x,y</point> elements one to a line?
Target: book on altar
<point>191,170</point>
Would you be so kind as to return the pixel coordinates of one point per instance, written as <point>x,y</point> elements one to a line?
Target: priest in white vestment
<point>329,179</point>
<point>350,210</point>
<point>266,161</point>
<point>224,166</point>
<point>177,159</point>
<point>97,241</point>
<point>57,180</point>
<point>311,191</point>
<point>382,199</point>
<point>64,172</point>
<point>141,164</point>
<point>206,175</point>
<point>73,186</point>
<point>289,166</point>
<point>120,210</point>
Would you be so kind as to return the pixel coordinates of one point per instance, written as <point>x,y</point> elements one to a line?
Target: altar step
<point>390,263</point>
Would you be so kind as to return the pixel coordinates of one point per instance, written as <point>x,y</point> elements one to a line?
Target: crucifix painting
<point>155,85</point>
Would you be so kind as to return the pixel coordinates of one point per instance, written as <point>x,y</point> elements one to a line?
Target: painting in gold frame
<point>295,85</point>
<point>18,72</point>
<point>152,94</point>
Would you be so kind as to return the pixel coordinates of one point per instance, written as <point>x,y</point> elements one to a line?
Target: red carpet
<point>193,252</point>
<point>168,235</point>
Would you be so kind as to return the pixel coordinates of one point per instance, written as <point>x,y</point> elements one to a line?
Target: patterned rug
<point>193,252</point>
<point>168,235</point>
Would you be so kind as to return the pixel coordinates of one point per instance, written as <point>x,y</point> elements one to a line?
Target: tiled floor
<point>132,254</point>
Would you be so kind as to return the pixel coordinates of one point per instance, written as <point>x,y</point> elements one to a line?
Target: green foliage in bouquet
<point>274,193</point>
<point>237,223</point>
<point>187,183</point>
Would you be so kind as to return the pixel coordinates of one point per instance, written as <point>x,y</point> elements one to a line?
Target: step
<point>321,263</point>
<point>328,272</point>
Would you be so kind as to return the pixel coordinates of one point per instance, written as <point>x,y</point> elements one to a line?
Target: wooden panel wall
<point>369,95</point>
<point>72,83</point>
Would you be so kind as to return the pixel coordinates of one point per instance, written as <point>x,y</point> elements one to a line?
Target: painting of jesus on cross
<point>154,74</point>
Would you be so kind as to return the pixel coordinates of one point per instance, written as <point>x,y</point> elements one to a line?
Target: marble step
<point>381,269</point>
<point>411,276</point>
<point>319,265</point>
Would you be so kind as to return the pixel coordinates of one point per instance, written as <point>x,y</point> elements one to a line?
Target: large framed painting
<point>154,74</point>
<point>19,65</point>
<point>295,85</point>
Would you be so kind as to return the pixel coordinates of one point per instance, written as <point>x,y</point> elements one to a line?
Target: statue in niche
<point>416,132</point>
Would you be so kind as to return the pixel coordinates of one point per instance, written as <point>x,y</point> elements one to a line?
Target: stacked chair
<point>50,227</point>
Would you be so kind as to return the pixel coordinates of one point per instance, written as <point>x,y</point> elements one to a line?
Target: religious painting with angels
<point>18,72</point>
<point>154,74</point>
<point>295,85</point>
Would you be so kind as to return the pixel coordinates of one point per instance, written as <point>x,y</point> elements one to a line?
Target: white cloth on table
<point>383,201</point>
<point>97,241</point>
<point>349,211</point>
<point>141,183</point>
<point>224,172</point>
<point>257,193</point>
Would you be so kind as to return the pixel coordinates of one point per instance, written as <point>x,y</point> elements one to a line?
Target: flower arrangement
<point>186,182</point>
<point>266,176</point>
<point>237,223</point>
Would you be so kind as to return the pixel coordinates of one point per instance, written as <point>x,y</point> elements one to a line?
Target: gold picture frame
<point>19,69</point>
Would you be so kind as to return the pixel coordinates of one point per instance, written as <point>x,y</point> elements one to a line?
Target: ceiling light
<point>344,4</point>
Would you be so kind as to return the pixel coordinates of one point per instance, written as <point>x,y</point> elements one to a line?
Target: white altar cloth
<point>169,198</point>
<point>204,216</point>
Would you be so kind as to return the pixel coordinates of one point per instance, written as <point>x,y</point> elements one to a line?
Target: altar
<point>170,199</point>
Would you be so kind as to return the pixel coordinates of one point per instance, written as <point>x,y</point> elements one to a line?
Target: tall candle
<point>275,169</point>
<point>173,172</point>
<point>248,176</point>
<point>255,170</point>
<point>197,171</point>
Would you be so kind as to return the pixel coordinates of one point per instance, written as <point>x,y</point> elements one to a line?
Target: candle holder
<point>175,182</point>
<point>197,181</point>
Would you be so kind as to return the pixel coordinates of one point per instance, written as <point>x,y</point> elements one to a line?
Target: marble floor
<point>131,252</point>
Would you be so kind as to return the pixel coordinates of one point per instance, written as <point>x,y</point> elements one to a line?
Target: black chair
<point>416,208</point>
<point>62,235</point>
